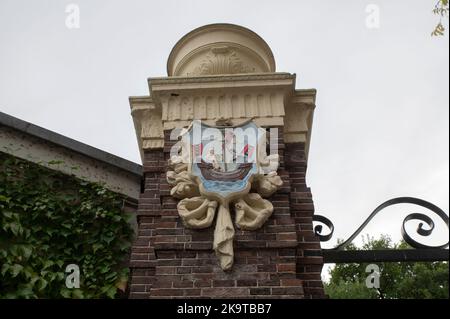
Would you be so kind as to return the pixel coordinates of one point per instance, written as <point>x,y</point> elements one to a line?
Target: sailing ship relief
<point>225,163</point>
<point>216,169</point>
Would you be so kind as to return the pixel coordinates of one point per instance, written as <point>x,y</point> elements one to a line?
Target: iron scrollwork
<point>424,219</point>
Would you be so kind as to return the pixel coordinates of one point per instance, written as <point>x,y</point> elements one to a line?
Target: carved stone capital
<point>147,122</point>
<point>299,118</point>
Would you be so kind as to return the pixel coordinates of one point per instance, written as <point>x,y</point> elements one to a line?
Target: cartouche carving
<point>199,204</point>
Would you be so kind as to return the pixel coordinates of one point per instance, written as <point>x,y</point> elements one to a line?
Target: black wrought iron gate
<point>420,251</point>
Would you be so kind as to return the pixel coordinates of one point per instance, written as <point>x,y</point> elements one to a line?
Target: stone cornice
<point>219,78</point>
<point>305,96</point>
<point>270,99</point>
<point>275,80</point>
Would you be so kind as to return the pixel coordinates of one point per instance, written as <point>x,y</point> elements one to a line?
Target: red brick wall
<point>282,259</point>
<point>308,251</point>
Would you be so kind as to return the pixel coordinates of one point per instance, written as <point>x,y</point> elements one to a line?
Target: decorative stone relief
<point>219,42</point>
<point>207,183</point>
<point>238,105</point>
<point>299,115</point>
<point>152,131</point>
<point>148,123</point>
<point>221,60</point>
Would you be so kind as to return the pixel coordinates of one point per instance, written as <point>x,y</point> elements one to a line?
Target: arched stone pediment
<point>220,49</point>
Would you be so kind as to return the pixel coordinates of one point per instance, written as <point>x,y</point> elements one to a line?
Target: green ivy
<point>49,220</point>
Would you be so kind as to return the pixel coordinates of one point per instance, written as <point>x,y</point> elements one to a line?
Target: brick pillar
<point>143,257</point>
<point>308,251</point>
<point>280,260</point>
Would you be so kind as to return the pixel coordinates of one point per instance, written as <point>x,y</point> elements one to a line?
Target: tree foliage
<point>441,10</point>
<point>49,220</point>
<point>398,280</point>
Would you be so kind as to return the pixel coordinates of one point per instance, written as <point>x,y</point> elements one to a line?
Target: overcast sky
<point>381,126</point>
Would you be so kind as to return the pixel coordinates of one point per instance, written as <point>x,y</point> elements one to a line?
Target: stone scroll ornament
<point>222,169</point>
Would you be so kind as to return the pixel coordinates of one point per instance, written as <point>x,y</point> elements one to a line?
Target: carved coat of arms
<point>223,170</point>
